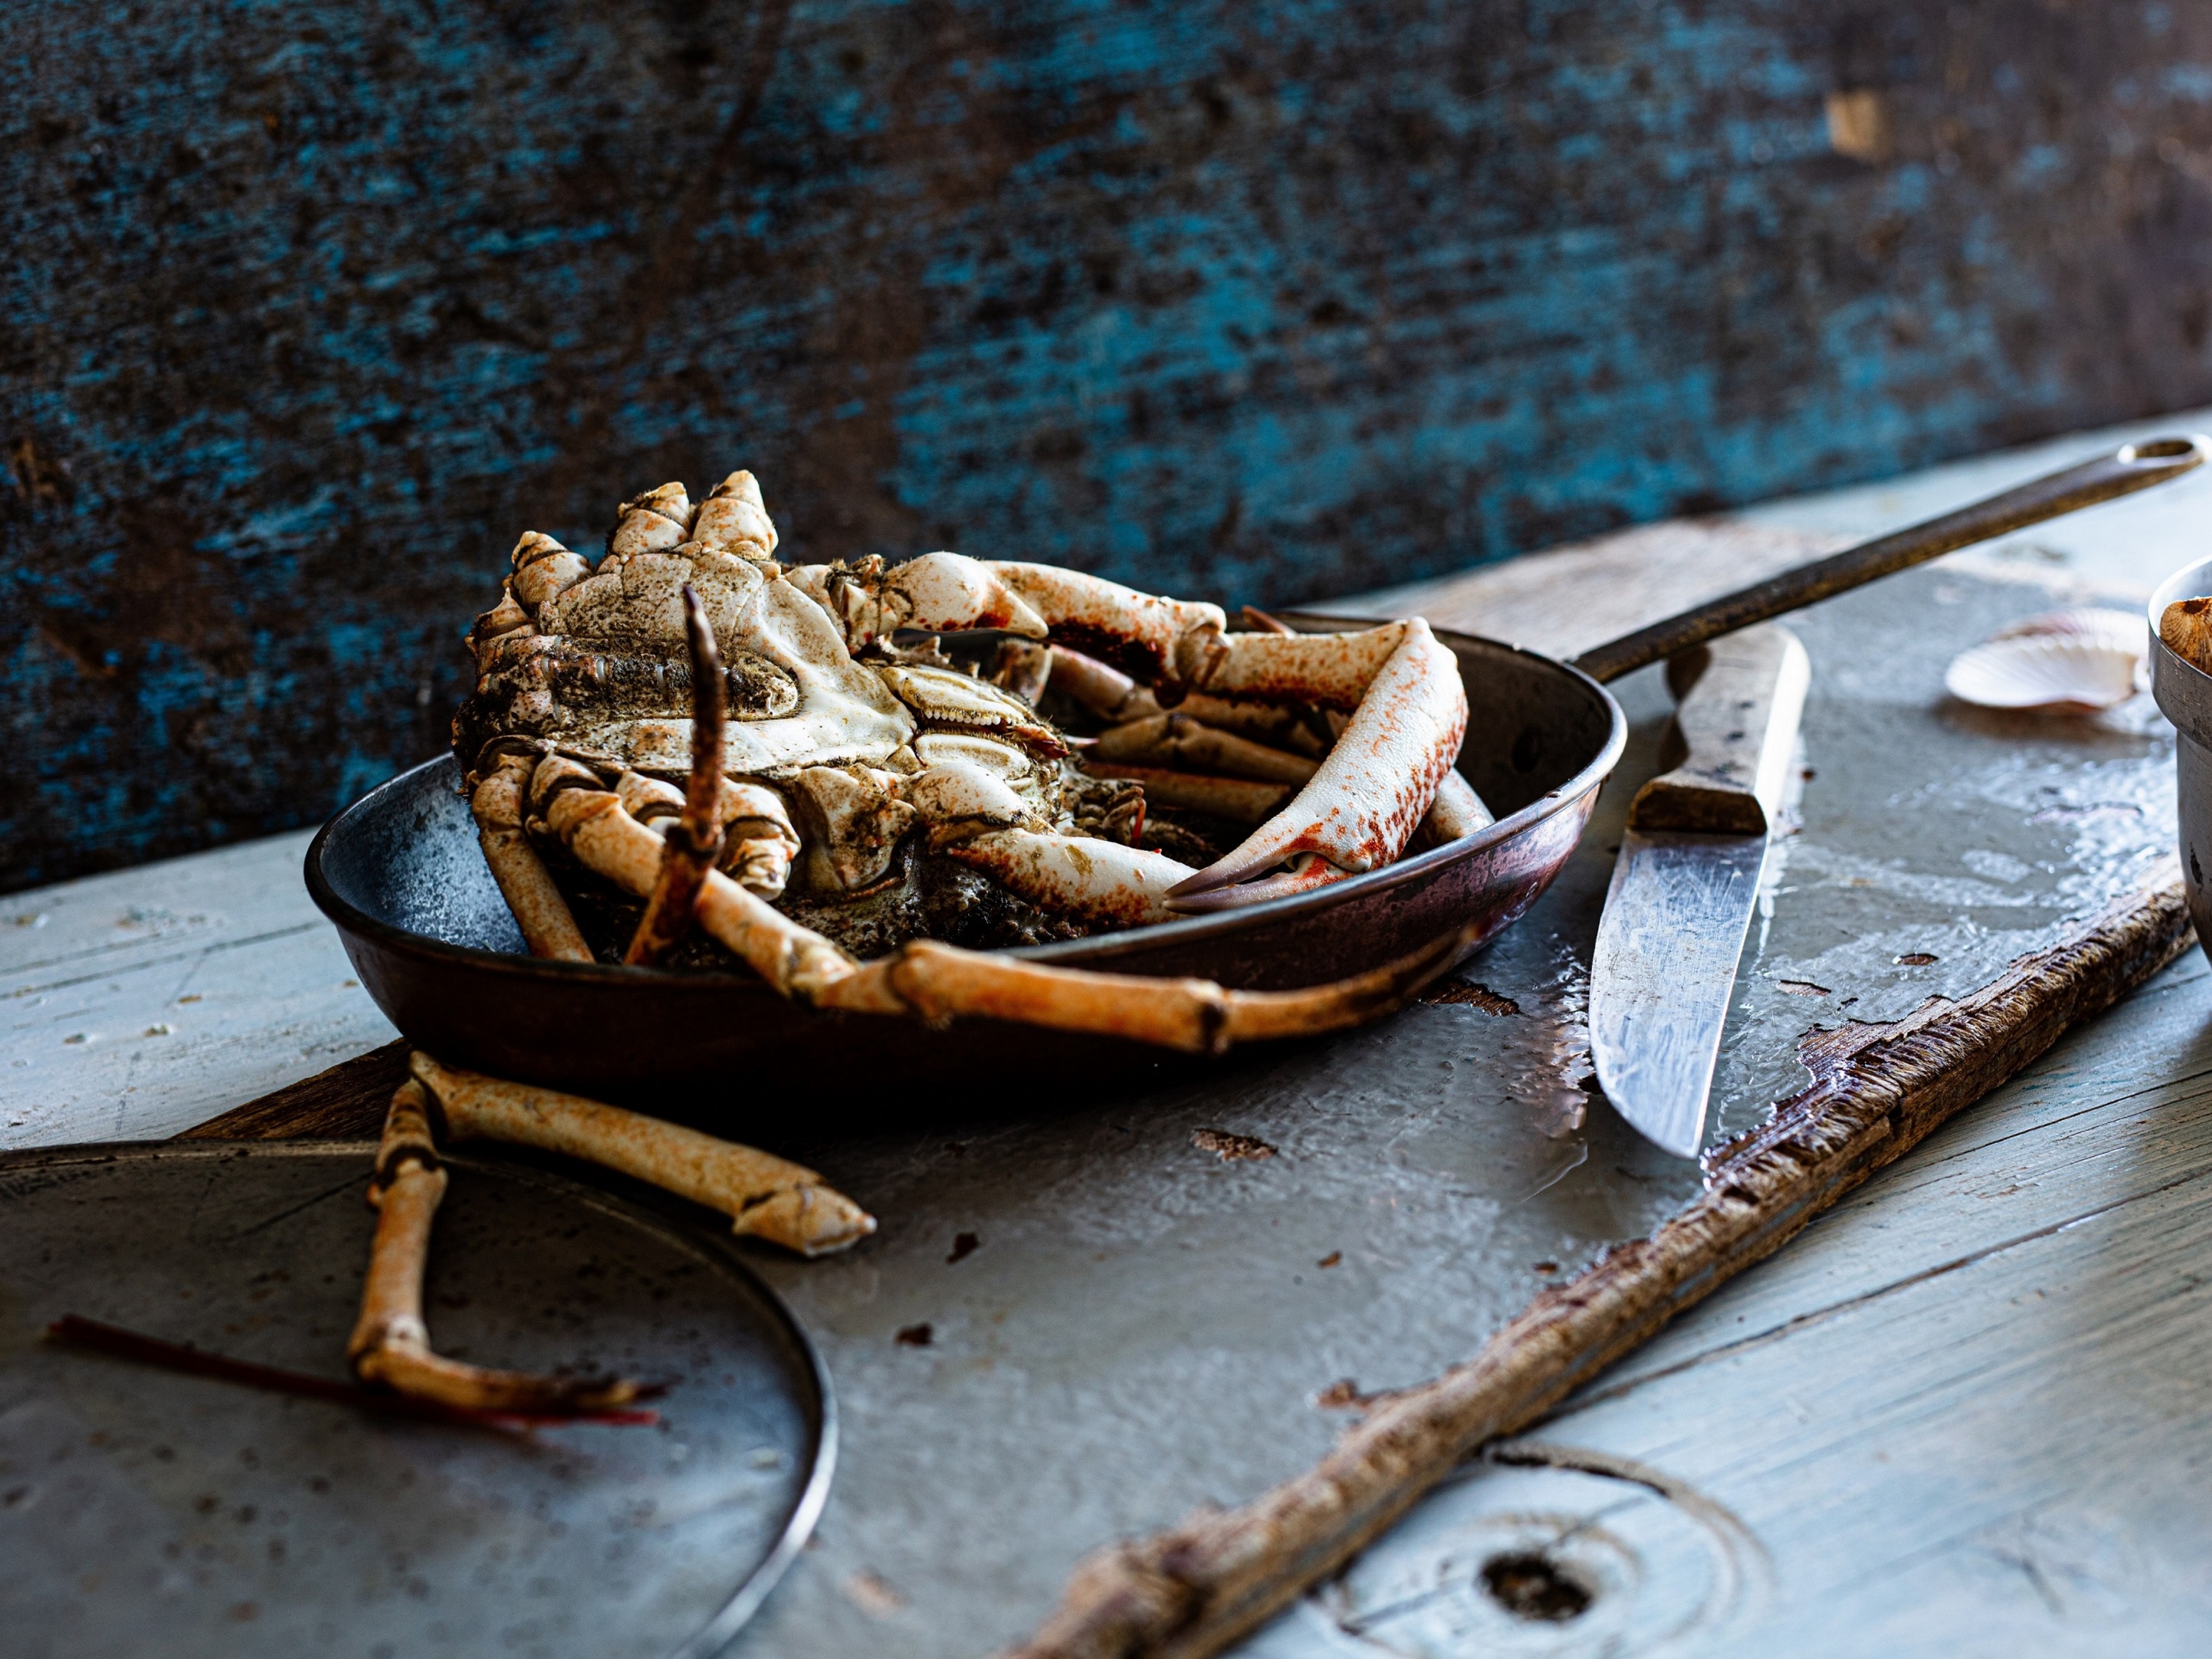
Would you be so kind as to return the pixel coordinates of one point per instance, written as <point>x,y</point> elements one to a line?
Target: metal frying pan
<point>400,873</point>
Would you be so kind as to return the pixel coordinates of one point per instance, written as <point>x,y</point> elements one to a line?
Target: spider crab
<point>714,732</point>
<point>696,727</point>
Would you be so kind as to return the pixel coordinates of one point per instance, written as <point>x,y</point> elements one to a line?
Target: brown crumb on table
<point>1466,993</point>
<point>1339,1396</point>
<point>1330,1259</point>
<point>873,1593</point>
<point>914,1336</point>
<point>1230,1149</point>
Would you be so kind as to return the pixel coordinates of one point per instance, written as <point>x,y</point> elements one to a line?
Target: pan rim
<point>1101,949</point>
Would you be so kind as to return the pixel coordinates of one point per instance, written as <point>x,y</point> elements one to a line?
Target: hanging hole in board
<point>2158,449</point>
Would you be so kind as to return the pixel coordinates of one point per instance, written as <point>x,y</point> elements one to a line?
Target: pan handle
<point>2126,469</point>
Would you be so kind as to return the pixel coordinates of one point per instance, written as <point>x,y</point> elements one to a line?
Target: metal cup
<point>2185,695</point>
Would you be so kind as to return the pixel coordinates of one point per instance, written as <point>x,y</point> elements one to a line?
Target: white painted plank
<point>140,1003</point>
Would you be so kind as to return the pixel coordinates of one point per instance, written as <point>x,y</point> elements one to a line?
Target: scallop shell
<point>2068,673</point>
<point>2123,630</point>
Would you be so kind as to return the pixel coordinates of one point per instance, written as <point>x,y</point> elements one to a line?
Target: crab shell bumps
<point>840,748</point>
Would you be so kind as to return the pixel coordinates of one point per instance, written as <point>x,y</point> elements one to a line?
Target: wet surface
<point>1125,1321</point>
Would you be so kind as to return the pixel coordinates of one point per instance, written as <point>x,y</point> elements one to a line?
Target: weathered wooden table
<point>1964,1412</point>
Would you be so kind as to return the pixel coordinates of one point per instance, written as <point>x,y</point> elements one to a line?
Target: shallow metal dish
<point>399,874</point>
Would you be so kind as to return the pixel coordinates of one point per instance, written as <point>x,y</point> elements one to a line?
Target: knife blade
<point>1686,881</point>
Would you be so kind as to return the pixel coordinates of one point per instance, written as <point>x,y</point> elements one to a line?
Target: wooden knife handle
<point>1735,726</point>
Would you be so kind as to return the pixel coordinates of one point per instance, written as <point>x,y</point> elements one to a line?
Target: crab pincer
<point>1373,789</point>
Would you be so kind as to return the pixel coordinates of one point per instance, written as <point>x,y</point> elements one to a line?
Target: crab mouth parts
<point>561,682</point>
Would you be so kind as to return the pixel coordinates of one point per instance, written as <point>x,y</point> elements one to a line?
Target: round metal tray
<point>140,1508</point>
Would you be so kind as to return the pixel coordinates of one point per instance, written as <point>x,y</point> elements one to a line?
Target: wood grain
<point>346,1103</point>
<point>1878,1090</point>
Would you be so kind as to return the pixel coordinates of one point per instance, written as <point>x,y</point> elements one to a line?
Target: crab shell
<point>843,755</point>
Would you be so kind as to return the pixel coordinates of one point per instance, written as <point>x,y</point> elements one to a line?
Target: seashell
<point>2068,673</point>
<point>2123,630</point>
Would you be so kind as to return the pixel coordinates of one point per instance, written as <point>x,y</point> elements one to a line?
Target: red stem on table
<point>198,1362</point>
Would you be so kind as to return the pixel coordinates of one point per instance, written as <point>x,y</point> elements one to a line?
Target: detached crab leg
<point>391,1344</point>
<point>1241,801</point>
<point>694,841</point>
<point>1074,875</point>
<point>1457,810</point>
<point>1114,698</point>
<point>763,1195</point>
<point>1375,786</point>
<point>1177,740</point>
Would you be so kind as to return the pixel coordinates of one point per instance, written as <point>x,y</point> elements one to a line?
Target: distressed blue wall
<point>308,308</point>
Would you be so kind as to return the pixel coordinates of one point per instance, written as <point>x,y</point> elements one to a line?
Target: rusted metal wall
<point>309,308</point>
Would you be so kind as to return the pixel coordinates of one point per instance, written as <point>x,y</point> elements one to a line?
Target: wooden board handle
<point>1736,725</point>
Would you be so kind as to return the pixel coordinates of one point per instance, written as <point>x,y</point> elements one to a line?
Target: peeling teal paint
<point>310,309</point>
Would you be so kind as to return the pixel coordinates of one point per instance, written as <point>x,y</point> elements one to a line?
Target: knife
<point>1687,881</point>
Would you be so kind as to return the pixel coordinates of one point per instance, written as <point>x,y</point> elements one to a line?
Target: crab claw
<point>1171,641</point>
<point>935,592</point>
<point>1372,791</point>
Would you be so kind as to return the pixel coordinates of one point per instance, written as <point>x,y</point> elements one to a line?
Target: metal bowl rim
<point>721,1626</point>
<point>2175,680</point>
<point>349,918</point>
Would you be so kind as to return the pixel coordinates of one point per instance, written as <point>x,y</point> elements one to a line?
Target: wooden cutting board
<point>1965,887</point>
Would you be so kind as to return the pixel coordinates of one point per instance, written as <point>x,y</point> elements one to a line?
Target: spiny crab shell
<point>856,768</point>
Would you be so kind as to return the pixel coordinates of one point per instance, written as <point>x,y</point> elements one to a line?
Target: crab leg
<point>539,910</point>
<point>763,1195</point>
<point>1376,785</point>
<point>1239,799</point>
<point>391,1344</point>
<point>1172,641</point>
<point>1112,696</point>
<point>1160,639</point>
<point>937,982</point>
<point>1457,812</point>
<point>1177,740</point>
<point>1074,875</point>
<point>694,841</point>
